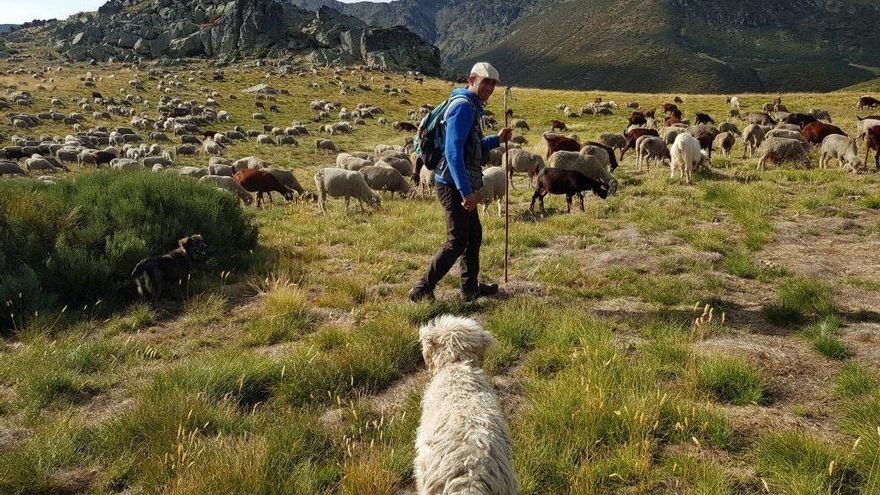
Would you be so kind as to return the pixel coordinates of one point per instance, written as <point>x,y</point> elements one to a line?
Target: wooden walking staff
<point>506,188</point>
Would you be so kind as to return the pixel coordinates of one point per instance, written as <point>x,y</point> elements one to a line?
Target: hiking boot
<point>483,290</point>
<point>419,293</point>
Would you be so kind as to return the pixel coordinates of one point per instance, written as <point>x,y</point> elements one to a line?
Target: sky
<point>19,11</point>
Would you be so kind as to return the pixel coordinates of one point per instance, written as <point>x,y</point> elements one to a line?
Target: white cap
<point>485,69</point>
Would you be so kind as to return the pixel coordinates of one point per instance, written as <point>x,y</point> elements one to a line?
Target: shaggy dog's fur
<point>152,272</point>
<point>463,443</point>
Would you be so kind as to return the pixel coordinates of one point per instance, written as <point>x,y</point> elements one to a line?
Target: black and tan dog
<point>153,271</point>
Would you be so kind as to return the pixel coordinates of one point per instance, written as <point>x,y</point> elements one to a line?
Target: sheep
<point>463,441</point>
<point>685,156</point>
<point>38,162</point>
<point>762,118</point>
<point>785,133</point>
<point>568,182</point>
<point>780,150</point>
<point>350,162</point>
<point>221,169</point>
<point>212,147</point>
<point>260,182</point>
<point>337,182</point>
<point>519,124</point>
<point>729,127</point>
<point>493,187</point>
<point>126,164</point>
<point>522,161</point>
<point>734,103</point>
<point>725,140</point>
<point>10,168</point>
<point>821,114</point>
<point>633,135</point>
<point>287,179</point>
<point>862,124</point>
<point>186,149</point>
<point>603,153</point>
<point>227,183</point>
<point>753,136</point>
<point>587,165</point>
<point>843,149</point>
<point>194,172</point>
<point>426,181</point>
<point>799,119</point>
<point>249,162</point>
<point>558,124</point>
<point>403,167</point>
<point>650,148</point>
<point>670,133</point>
<point>611,140</point>
<point>868,102</point>
<point>151,161</point>
<point>381,178</point>
<point>266,139</point>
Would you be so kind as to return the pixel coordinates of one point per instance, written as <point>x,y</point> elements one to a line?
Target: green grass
<point>799,299</point>
<point>797,463</point>
<point>730,380</point>
<point>275,379</point>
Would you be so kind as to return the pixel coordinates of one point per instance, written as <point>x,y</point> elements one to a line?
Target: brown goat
<point>558,181</point>
<point>868,102</point>
<point>872,142</point>
<point>555,143</point>
<point>558,124</point>
<point>816,132</point>
<point>260,182</point>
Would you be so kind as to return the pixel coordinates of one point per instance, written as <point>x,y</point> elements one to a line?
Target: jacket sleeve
<point>490,143</point>
<point>459,120</point>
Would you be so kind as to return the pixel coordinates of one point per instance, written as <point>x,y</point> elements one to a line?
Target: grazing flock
<point>160,133</point>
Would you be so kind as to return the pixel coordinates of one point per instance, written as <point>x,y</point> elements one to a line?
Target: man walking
<point>458,177</point>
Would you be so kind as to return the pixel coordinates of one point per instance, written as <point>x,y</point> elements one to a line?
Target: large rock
<point>398,48</point>
<point>231,29</point>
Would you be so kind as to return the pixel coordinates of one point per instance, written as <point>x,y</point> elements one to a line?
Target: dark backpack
<point>429,140</point>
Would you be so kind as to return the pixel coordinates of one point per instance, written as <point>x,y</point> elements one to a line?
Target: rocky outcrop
<point>232,29</point>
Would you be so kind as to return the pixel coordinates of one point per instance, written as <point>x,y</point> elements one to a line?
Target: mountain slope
<point>648,45</point>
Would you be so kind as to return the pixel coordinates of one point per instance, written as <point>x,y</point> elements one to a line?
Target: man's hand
<point>470,202</point>
<point>505,134</point>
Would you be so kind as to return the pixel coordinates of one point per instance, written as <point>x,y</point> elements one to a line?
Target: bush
<point>77,241</point>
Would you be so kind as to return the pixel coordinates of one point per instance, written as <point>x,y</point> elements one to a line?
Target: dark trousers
<point>464,235</point>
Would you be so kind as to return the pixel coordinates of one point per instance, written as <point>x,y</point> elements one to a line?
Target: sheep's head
<point>451,339</point>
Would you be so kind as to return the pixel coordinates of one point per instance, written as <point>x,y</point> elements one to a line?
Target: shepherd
<point>458,178</point>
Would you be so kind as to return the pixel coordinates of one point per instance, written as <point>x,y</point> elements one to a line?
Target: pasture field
<point>714,338</point>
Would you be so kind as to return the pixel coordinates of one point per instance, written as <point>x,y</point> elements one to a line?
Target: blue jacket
<point>460,117</point>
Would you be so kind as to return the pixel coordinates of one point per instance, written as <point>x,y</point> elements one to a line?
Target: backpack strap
<point>451,103</point>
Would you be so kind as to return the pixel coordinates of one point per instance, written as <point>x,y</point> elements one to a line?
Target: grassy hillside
<point>714,338</point>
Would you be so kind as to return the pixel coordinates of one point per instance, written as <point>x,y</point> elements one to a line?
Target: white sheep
<point>228,184</point>
<point>522,161</point>
<point>600,153</point>
<point>381,178</point>
<point>266,139</point>
<point>213,147</point>
<point>337,182</point>
<point>843,149</point>
<point>686,156</point>
<point>251,162</point>
<point>403,167</point>
<point>587,165</point>
<point>126,164</point>
<point>194,172</point>
<point>781,150</point>
<point>493,187</point>
<point>221,169</point>
<point>38,162</point>
<point>350,162</point>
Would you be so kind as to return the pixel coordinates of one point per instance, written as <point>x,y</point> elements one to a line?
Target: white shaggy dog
<point>462,444</point>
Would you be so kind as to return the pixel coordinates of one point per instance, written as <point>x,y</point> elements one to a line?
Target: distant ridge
<point>647,45</point>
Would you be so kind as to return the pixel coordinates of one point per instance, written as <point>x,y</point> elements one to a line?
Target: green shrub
<point>797,463</point>
<point>77,241</point>
<point>854,380</point>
